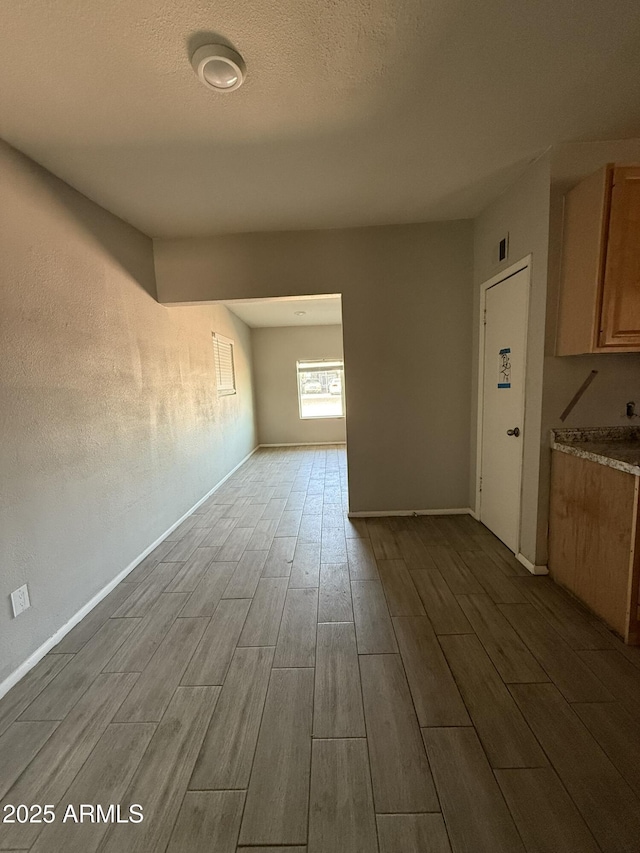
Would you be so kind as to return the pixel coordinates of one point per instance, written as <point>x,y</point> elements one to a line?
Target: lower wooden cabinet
<point>594,539</point>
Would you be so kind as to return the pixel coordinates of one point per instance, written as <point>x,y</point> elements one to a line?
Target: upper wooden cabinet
<point>599,307</point>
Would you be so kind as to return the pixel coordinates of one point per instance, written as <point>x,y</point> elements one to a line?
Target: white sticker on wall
<point>504,368</point>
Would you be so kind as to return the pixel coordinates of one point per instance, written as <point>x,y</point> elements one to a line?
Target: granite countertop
<point>617,447</point>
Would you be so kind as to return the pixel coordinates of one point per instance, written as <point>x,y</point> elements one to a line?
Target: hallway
<point>275,676</point>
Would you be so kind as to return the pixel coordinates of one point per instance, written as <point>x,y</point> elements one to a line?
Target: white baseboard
<point>394,512</point>
<point>46,647</point>
<point>474,514</point>
<point>535,570</point>
<point>304,444</point>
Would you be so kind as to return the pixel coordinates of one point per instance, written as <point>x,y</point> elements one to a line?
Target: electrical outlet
<point>20,600</point>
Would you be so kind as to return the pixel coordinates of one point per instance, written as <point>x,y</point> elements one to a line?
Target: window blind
<point>225,367</point>
<point>315,366</point>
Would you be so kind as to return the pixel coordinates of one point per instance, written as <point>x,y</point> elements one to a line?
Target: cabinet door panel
<point>591,533</point>
<point>620,326</point>
<point>586,216</point>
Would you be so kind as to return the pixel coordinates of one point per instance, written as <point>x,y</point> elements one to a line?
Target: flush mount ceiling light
<point>219,67</point>
<point>299,313</point>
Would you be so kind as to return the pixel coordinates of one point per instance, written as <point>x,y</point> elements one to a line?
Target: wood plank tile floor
<point>277,677</point>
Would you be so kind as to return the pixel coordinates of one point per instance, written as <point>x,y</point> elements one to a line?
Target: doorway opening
<point>299,384</point>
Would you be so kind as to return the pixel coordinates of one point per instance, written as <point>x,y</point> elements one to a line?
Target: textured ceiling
<point>260,313</point>
<point>354,112</point>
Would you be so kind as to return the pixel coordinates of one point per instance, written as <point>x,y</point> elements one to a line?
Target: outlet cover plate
<point>20,600</point>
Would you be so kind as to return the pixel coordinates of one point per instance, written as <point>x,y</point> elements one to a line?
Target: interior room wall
<point>618,378</point>
<point>522,212</point>
<point>531,211</point>
<point>275,353</point>
<point>112,429</point>
<point>407,302</point>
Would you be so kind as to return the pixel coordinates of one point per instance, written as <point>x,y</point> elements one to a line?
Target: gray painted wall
<point>523,213</point>
<point>618,378</point>
<point>407,303</point>
<point>275,353</point>
<point>531,211</point>
<point>111,426</point>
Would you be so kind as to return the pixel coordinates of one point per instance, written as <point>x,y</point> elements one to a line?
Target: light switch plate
<point>20,600</point>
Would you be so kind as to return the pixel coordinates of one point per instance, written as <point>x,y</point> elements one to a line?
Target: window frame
<point>218,342</point>
<point>319,361</point>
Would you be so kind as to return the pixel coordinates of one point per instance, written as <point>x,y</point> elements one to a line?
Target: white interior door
<point>505,334</point>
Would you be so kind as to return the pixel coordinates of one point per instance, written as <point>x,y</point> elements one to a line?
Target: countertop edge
<point>575,450</point>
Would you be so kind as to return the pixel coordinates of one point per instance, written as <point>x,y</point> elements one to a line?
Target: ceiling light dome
<point>219,67</point>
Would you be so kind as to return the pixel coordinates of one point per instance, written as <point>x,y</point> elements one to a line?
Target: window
<point>225,367</point>
<point>321,388</point>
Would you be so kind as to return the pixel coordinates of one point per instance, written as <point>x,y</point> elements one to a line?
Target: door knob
<point>515,431</point>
